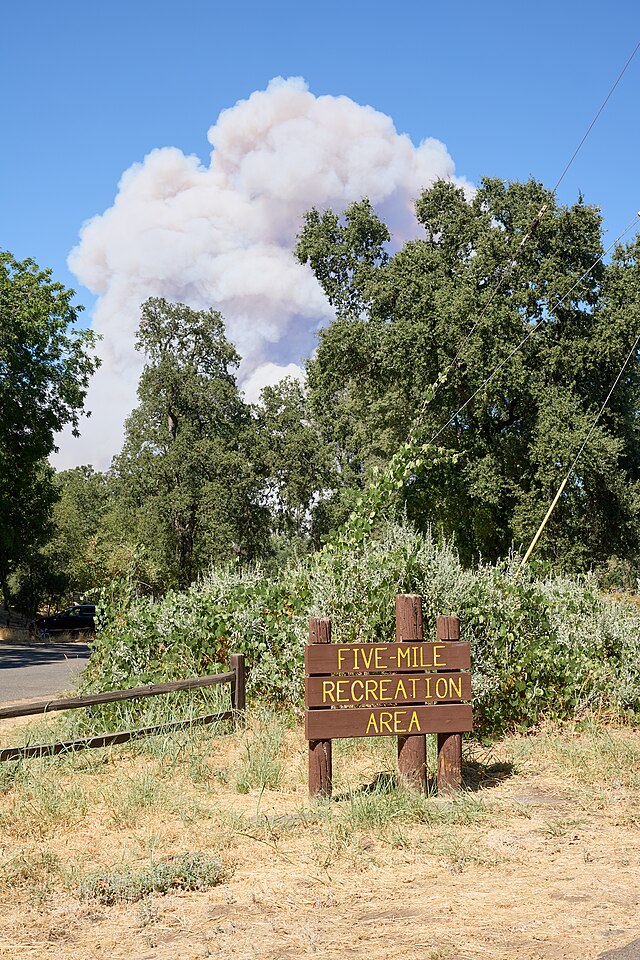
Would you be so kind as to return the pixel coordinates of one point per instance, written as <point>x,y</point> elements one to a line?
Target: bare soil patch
<point>539,859</point>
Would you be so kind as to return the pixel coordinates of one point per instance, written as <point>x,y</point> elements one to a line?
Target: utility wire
<point>512,263</point>
<point>530,230</point>
<point>527,236</point>
<point>578,455</point>
<point>531,332</point>
<point>595,119</point>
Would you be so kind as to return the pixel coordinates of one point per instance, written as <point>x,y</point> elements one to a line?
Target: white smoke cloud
<point>267,374</point>
<point>222,236</point>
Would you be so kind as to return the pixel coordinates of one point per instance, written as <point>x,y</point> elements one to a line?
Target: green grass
<point>261,765</point>
<point>38,870</point>
<point>43,806</point>
<point>181,787</point>
<point>594,756</point>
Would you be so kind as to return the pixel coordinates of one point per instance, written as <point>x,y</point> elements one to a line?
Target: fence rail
<point>235,677</point>
<point>10,618</point>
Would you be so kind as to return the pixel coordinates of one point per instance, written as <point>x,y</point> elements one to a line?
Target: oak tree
<point>458,301</point>
<point>45,366</point>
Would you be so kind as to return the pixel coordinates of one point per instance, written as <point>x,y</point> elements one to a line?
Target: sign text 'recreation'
<point>377,689</point>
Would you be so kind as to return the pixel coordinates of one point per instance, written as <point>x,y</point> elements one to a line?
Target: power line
<point>578,455</point>
<point>526,237</point>
<point>531,332</point>
<point>595,119</point>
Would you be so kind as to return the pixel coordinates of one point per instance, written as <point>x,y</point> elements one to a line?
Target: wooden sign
<point>381,657</point>
<point>404,689</point>
<point>372,690</point>
<point>389,722</point>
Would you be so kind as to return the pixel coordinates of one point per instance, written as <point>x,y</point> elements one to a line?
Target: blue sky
<point>509,88</point>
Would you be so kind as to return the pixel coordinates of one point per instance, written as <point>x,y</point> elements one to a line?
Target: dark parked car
<point>75,620</point>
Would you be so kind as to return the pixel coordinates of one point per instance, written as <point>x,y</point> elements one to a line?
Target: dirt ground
<point>538,860</point>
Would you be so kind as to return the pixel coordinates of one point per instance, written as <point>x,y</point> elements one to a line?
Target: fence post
<point>412,751</point>
<point>449,776</point>
<point>238,689</point>
<point>320,771</point>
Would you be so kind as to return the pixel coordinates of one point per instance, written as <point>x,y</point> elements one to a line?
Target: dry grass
<point>14,634</point>
<point>213,835</point>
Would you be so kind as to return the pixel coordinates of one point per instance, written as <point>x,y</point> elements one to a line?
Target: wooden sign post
<point>449,774</point>
<point>412,750</point>
<point>320,750</point>
<point>404,689</point>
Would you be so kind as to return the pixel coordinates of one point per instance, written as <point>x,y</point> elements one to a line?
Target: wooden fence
<point>11,618</point>
<point>235,677</point>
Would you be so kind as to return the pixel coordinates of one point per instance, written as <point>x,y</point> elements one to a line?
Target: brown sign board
<point>328,658</point>
<point>380,689</point>
<point>389,722</point>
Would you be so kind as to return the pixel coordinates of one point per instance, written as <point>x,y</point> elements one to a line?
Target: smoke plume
<point>222,236</point>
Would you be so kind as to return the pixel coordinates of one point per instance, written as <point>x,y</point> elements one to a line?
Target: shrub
<point>541,648</point>
<point>190,871</point>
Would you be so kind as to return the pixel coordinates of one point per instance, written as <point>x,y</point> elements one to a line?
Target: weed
<point>261,765</point>
<point>388,811</point>
<point>459,850</point>
<point>126,796</point>
<point>42,806</point>
<point>190,871</point>
<point>560,826</point>
<point>38,871</point>
<point>594,756</point>
<point>11,773</point>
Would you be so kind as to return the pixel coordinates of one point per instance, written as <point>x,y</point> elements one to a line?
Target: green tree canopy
<point>400,322</point>
<point>45,366</point>
<point>188,485</point>
<point>298,465</point>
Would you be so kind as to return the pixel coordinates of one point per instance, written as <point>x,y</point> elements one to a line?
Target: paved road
<point>42,670</point>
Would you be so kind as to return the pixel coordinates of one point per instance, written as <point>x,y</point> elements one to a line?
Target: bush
<point>190,871</point>
<point>541,648</point>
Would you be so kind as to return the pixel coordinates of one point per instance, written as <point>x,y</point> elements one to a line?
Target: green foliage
<point>458,301</point>
<point>298,465</point>
<point>45,366</point>
<point>261,764</point>
<point>124,884</point>
<point>542,649</point>
<point>344,255</point>
<point>187,485</point>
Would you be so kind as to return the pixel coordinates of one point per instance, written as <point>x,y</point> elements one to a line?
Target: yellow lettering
<point>455,687</point>
<point>385,721</point>
<point>383,689</point>
<point>355,658</point>
<point>341,653</point>
<point>328,687</point>
<point>414,722</point>
<point>340,685</point>
<point>427,683</point>
<point>401,690</point>
<point>372,723</point>
<point>437,662</point>
<point>404,653</point>
<point>367,659</point>
<point>398,717</point>
<point>354,684</point>
<point>380,664</point>
<point>442,688</point>
<point>370,689</point>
